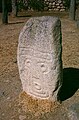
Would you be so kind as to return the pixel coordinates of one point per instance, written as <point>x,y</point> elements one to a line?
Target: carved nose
<point>35,77</point>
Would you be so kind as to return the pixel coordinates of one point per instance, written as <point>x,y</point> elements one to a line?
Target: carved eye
<point>27,62</point>
<point>43,67</point>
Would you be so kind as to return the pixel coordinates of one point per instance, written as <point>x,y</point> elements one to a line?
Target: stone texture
<point>39,57</point>
<point>55,5</point>
<point>50,4</point>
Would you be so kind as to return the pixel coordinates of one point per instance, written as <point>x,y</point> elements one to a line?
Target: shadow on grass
<point>24,16</point>
<point>70,83</point>
<point>15,23</point>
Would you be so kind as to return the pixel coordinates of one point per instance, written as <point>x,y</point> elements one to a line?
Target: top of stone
<point>37,33</point>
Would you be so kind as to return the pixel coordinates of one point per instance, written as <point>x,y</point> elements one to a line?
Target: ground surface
<point>10,84</point>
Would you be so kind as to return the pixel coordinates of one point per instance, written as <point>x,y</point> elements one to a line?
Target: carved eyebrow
<point>45,62</point>
<point>42,62</point>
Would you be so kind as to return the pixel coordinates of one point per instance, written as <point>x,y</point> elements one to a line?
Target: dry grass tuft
<point>36,106</point>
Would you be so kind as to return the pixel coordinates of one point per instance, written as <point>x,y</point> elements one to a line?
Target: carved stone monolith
<point>39,57</point>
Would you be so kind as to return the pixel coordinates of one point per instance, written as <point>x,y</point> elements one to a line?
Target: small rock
<point>59,1</point>
<point>50,4</point>
<point>8,98</point>
<point>58,7</point>
<point>53,3</point>
<point>46,8</point>
<point>57,4</point>
<point>7,81</point>
<point>22,117</point>
<point>3,114</point>
<point>61,5</point>
<point>61,10</point>
<point>50,9</point>
<point>10,105</point>
<point>47,3</point>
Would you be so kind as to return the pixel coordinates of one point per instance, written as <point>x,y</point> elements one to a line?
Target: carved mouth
<point>37,88</point>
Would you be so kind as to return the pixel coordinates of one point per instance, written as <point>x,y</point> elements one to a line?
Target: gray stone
<point>47,3</point>
<point>58,7</point>
<point>50,4</point>
<point>73,111</point>
<point>57,4</point>
<point>50,9</point>
<point>46,8</point>
<point>39,57</point>
<point>62,10</point>
<point>59,1</point>
<point>54,3</point>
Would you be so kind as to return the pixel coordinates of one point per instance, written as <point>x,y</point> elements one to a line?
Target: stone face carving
<point>39,57</point>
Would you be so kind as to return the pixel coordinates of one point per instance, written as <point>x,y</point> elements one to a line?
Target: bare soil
<point>10,84</point>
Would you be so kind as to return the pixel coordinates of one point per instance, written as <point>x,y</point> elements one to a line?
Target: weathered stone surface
<point>73,111</point>
<point>39,57</point>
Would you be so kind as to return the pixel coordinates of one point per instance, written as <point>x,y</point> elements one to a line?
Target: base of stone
<point>36,106</point>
